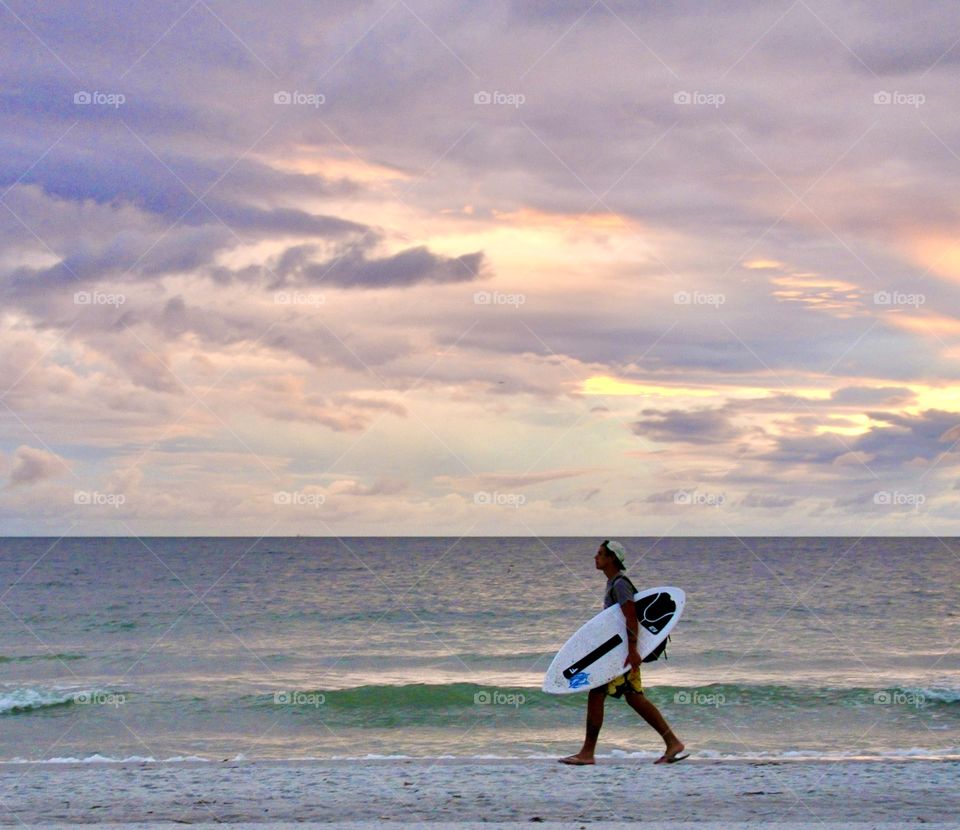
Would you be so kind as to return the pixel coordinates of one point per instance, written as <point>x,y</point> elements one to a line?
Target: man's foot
<point>672,755</point>
<point>577,760</point>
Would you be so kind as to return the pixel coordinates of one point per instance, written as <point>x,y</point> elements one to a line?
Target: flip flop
<point>575,762</point>
<point>663,759</point>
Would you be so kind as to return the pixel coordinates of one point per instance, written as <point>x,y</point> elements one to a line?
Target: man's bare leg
<point>646,709</point>
<point>595,701</point>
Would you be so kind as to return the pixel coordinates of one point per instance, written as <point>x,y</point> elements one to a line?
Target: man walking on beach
<point>610,559</point>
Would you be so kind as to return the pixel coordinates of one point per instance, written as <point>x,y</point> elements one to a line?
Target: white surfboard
<point>596,653</point>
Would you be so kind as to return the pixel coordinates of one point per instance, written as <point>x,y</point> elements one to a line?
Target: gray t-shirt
<point>618,591</point>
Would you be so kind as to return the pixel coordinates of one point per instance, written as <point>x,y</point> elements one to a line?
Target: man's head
<point>611,556</point>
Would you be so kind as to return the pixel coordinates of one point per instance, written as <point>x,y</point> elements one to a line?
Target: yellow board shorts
<point>629,682</point>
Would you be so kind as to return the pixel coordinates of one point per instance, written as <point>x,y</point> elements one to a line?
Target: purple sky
<point>551,268</point>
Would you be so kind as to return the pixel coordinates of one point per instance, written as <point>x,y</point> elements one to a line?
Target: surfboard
<point>595,654</point>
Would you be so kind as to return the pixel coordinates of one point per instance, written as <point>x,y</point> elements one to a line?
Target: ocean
<point>290,648</point>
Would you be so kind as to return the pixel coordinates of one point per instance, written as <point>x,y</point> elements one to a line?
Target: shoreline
<point>515,825</point>
<point>453,792</point>
<point>602,761</point>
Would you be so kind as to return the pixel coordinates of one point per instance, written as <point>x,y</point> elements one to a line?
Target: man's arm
<point>633,656</point>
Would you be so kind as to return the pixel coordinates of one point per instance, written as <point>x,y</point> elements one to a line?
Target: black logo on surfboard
<point>593,656</point>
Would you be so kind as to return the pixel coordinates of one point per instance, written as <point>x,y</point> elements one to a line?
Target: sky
<point>513,268</point>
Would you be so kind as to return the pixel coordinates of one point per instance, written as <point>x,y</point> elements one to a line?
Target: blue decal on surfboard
<point>579,680</point>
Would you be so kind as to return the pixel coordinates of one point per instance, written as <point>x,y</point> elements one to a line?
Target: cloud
<point>702,426</point>
<point>598,199</point>
<point>854,458</point>
<point>285,398</point>
<point>662,497</point>
<point>355,269</point>
<point>140,255</point>
<point>175,188</point>
<point>766,502</point>
<point>860,396</point>
<point>894,441</point>
<point>32,465</point>
<point>146,368</point>
<point>922,44</point>
<point>515,480</point>
<point>380,487</point>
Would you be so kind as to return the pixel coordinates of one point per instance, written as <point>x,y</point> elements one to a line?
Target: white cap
<point>618,551</point>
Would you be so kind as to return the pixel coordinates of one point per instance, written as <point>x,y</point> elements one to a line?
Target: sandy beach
<point>488,793</point>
